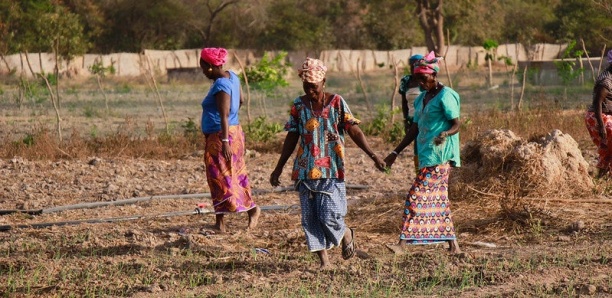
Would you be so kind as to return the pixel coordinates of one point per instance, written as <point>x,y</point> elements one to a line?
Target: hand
<point>274,178</point>
<point>380,165</point>
<point>603,139</point>
<point>227,151</point>
<point>440,139</point>
<point>390,159</point>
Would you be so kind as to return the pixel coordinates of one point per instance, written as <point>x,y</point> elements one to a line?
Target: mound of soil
<point>499,162</point>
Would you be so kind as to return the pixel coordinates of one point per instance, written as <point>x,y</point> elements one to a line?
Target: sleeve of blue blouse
<point>349,119</point>
<point>451,105</point>
<point>222,85</point>
<point>294,118</point>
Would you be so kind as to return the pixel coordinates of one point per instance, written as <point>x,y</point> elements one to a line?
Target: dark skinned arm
<point>410,136</point>
<point>600,96</point>
<point>241,98</point>
<point>289,144</point>
<point>405,111</point>
<point>359,138</point>
<point>223,105</point>
<point>451,131</point>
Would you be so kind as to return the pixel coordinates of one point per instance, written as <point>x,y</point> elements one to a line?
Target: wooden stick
<point>450,82</point>
<point>589,59</point>
<point>520,101</point>
<point>395,86</point>
<point>159,98</point>
<point>603,54</point>
<point>246,83</point>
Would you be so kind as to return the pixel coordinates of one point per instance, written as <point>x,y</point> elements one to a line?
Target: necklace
<point>322,106</point>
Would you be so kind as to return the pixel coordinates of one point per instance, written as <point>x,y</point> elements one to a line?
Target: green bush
<point>261,130</point>
<point>379,126</point>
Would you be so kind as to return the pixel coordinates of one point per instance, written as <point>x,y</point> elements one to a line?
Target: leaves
<point>268,73</point>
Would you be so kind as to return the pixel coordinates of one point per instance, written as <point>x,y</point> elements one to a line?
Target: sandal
<point>348,250</point>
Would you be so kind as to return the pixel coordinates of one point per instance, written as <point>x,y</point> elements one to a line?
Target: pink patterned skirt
<point>228,180</point>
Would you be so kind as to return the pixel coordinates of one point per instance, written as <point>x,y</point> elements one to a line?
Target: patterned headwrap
<point>414,58</point>
<point>312,70</point>
<point>428,65</point>
<point>610,56</point>
<point>214,56</point>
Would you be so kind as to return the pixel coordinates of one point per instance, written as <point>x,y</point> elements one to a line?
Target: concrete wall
<point>158,62</point>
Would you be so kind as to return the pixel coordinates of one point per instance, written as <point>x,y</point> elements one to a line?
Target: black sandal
<point>348,250</point>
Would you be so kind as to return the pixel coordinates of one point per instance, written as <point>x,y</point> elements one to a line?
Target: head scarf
<point>214,56</point>
<point>610,56</point>
<point>428,65</point>
<point>414,58</point>
<point>312,70</point>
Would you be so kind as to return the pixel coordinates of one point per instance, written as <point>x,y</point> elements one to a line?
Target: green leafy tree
<point>266,75</point>
<point>490,46</point>
<point>60,31</point>
<point>99,70</point>
<point>566,68</point>
<point>580,19</point>
<point>295,26</point>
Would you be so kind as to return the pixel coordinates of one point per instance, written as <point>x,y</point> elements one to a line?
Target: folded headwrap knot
<point>610,56</point>
<point>312,70</point>
<point>428,65</point>
<point>214,56</point>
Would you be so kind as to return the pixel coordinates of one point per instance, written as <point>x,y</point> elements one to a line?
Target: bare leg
<point>398,248</point>
<point>220,224</point>
<point>322,254</point>
<point>254,217</point>
<point>453,247</point>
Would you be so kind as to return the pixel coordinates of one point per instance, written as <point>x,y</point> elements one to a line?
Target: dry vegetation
<point>519,244</point>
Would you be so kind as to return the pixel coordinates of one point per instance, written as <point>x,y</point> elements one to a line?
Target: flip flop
<point>348,249</point>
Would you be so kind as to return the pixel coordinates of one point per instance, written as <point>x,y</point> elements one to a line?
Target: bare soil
<point>504,257</point>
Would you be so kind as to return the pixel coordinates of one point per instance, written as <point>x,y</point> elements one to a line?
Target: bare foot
<point>220,224</point>
<point>325,264</point>
<point>397,249</point>
<point>453,247</point>
<point>254,217</point>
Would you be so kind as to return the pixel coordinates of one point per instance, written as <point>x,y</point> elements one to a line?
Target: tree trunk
<point>431,20</point>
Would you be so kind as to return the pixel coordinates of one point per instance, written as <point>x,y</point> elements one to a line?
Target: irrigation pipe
<point>197,211</point>
<point>144,199</point>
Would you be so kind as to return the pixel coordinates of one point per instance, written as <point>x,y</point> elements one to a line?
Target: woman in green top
<point>427,215</point>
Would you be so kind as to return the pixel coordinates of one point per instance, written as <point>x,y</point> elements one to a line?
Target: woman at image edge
<point>427,215</point>
<point>599,119</point>
<point>224,150</point>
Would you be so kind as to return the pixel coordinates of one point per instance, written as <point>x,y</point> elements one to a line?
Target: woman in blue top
<point>318,121</point>
<point>427,215</point>
<point>224,150</point>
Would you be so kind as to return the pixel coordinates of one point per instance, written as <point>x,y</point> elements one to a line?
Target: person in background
<point>427,216</point>
<point>410,87</point>
<point>318,122</point>
<point>224,150</point>
<point>598,119</point>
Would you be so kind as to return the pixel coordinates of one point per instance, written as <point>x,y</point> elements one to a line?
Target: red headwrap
<point>214,56</point>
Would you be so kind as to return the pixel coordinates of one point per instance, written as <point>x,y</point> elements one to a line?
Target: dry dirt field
<point>549,248</point>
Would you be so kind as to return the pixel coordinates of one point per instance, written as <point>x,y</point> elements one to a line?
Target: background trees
<point>131,26</point>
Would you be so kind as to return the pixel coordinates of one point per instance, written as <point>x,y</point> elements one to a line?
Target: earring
<point>210,69</point>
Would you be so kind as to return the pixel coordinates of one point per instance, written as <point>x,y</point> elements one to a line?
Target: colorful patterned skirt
<point>604,150</point>
<point>228,181</point>
<point>427,215</point>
